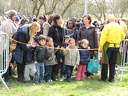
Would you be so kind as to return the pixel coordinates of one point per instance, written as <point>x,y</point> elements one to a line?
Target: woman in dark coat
<point>88,32</point>
<point>71,30</point>
<point>23,36</point>
<point>57,34</point>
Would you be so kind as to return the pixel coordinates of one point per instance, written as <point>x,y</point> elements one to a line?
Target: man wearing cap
<point>110,39</point>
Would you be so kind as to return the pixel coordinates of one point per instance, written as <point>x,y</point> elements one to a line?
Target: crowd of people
<point>46,47</point>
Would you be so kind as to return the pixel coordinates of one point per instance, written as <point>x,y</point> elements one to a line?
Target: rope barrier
<point>16,41</point>
<point>94,49</point>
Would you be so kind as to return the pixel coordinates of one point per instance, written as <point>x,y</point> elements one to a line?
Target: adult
<point>47,25</point>
<point>9,26</point>
<point>110,39</point>
<point>23,35</point>
<point>30,18</point>
<point>87,31</point>
<point>71,30</point>
<point>57,34</point>
<point>41,20</point>
<point>24,21</point>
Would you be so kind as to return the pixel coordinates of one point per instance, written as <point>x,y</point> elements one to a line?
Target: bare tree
<point>50,6</point>
<point>67,6</point>
<point>37,6</point>
<point>98,9</point>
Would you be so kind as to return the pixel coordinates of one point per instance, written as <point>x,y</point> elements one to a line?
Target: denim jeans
<point>69,71</point>
<point>63,68</point>
<point>39,75</point>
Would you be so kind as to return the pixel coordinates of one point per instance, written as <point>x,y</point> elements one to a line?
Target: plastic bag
<point>93,66</point>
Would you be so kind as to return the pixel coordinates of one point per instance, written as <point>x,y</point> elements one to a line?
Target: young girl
<point>84,59</point>
<point>50,60</point>
<point>72,58</point>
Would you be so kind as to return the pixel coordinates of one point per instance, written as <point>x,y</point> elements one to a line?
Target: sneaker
<point>36,82</point>
<point>48,81</point>
<point>55,79</point>
<point>7,81</point>
<point>42,81</point>
<point>89,77</point>
<point>69,79</point>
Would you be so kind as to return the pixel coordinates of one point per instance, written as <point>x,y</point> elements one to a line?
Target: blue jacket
<point>22,35</point>
<point>84,56</point>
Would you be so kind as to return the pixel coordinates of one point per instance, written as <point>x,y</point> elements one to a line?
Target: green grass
<point>62,88</point>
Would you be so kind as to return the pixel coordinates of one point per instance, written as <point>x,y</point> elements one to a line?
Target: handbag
<point>93,66</point>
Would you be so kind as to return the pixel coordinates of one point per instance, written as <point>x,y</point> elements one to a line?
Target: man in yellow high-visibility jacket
<point>110,39</point>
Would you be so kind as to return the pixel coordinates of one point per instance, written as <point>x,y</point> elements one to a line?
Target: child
<point>62,65</point>
<point>30,68</point>
<point>72,58</point>
<point>51,59</point>
<point>84,59</point>
<point>12,46</point>
<point>39,56</point>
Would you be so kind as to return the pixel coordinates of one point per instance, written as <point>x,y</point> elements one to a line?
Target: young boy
<point>39,56</point>
<point>12,46</point>
<point>30,68</point>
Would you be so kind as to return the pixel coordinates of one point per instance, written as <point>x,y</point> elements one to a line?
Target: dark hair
<point>43,17</point>
<point>89,18</point>
<point>50,18</point>
<point>72,23</point>
<point>48,38</point>
<point>95,23</point>
<point>12,42</point>
<point>41,38</point>
<point>55,18</point>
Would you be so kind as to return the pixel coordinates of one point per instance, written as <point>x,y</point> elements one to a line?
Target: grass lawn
<point>87,87</point>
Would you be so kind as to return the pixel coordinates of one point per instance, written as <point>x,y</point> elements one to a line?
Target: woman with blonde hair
<point>23,36</point>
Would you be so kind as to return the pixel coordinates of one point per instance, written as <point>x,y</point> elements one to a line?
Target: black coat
<point>90,34</point>
<point>40,54</point>
<point>22,35</point>
<point>57,34</point>
<point>29,56</point>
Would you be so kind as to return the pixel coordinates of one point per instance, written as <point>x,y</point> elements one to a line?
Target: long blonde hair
<point>34,28</point>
